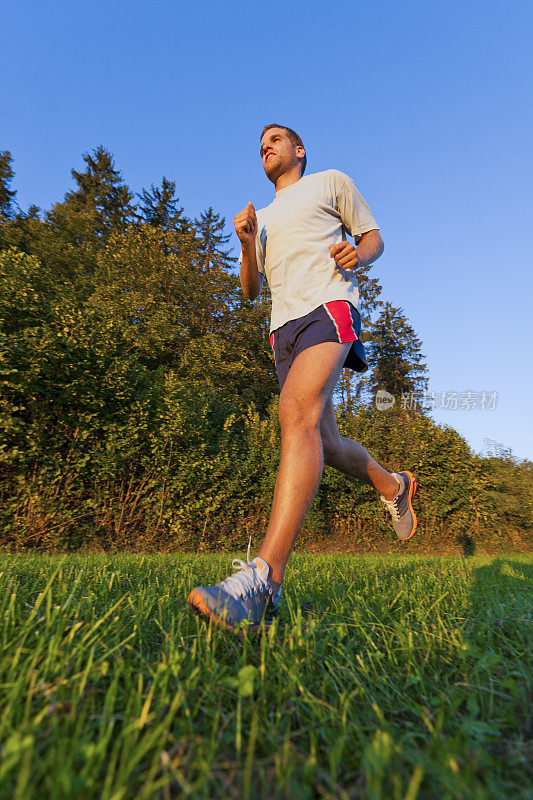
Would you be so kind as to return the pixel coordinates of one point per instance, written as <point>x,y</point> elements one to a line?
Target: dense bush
<point>138,396</point>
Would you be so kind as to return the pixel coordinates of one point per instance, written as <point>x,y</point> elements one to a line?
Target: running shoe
<point>401,506</point>
<point>246,595</point>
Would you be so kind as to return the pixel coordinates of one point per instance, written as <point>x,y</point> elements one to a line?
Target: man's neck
<point>288,178</point>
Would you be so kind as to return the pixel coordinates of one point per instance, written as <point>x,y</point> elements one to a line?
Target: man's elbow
<point>250,294</point>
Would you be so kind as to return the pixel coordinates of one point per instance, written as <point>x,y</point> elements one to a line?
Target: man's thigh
<point>313,376</point>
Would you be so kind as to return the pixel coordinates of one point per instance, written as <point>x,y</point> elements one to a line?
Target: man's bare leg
<point>305,417</point>
<point>351,458</point>
<point>309,385</point>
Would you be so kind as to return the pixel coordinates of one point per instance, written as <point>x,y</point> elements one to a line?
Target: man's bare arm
<point>246,228</point>
<point>368,250</point>
<point>251,278</point>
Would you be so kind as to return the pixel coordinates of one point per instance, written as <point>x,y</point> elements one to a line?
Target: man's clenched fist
<point>246,225</point>
<point>345,255</point>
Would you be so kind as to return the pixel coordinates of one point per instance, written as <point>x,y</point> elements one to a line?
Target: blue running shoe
<point>246,595</point>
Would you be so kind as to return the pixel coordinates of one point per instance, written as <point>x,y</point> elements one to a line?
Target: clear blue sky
<point>428,106</point>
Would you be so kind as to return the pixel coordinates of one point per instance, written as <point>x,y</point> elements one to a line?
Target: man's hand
<point>345,255</point>
<point>246,228</point>
<point>246,225</point>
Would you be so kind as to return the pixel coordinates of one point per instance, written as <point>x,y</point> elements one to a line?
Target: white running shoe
<point>245,595</point>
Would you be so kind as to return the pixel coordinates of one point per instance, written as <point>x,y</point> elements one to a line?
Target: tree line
<point>138,394</point>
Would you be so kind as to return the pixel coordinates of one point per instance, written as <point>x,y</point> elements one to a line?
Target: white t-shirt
<point>293,238</point>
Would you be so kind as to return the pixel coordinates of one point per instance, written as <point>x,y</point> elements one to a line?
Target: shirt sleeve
<point>355,213</point>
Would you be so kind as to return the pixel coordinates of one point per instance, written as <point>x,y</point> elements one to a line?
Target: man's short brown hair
<point>293,136</point>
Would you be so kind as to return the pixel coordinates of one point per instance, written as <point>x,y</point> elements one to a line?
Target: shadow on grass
<point>467,543</point>
<point>503,581</point>
<point>501,626</point>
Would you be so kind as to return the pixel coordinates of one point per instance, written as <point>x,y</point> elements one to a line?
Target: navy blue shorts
<point>337,321</point>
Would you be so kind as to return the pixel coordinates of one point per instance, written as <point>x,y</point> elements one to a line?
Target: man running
<point>299,242</point>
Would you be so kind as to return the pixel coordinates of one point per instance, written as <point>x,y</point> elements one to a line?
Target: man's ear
<point>300,151</point>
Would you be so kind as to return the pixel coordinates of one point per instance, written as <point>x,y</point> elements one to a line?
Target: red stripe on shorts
<point>339,311</point>
<point>272,346</point>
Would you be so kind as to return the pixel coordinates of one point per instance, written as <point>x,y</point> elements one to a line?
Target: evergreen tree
<point>101,192</point>
<point>7,195</point>
<point>210,230</point>
<point>369,292</point>
<point>159,206</point>
<point>351,385</point>
<point>394,353</point>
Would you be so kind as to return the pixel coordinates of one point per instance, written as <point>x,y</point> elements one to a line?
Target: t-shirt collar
<point>291,186</point>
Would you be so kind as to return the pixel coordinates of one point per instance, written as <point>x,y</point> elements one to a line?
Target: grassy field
<point>383,677</point>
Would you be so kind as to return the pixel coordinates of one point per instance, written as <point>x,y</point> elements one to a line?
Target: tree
<point>210,228</point>
<point>101,194</point>
<point>73,231</point>
<point>351,385</point>
<point>151,277</point>
<point>369,291</point>
<point>27,292</point>
<point>159,206</point>
<point>7,195</point>
<point>394,353</point>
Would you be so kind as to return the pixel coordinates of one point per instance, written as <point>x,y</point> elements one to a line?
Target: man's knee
<point>295,412</point>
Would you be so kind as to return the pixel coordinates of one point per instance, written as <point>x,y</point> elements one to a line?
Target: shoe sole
<point>412,490</point>
<point>197,605</point>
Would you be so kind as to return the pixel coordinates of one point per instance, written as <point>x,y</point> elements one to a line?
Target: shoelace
<point>395,511</point>
<point>393,505</point>
<point>246,579</point>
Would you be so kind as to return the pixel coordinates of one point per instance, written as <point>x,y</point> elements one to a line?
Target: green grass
<point>384,677</point>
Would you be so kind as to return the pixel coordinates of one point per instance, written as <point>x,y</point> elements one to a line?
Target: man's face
<point>278,153</point>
